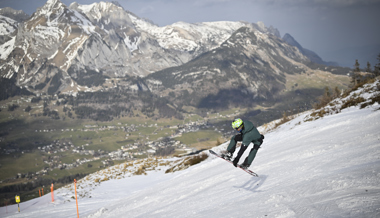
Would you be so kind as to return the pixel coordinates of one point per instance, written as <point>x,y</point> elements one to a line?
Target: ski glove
<point>261,139</point>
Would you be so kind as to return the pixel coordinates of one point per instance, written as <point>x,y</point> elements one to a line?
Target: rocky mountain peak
<point>106,15</point>
<point>310,54</point>
<point>269,30</point>
<point>50,6</point>
<point>95,7</point>
<point>17,15</point>
<point>291,41</point>
<point>117,4</point>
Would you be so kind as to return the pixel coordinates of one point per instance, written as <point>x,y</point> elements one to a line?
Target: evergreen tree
<point>336,92</point>
<point>357,66</point>
<point>368,69</point>
<point>356,74</point>
<point>28,108</point>
<point>376,70</point>
<point>12,107</point>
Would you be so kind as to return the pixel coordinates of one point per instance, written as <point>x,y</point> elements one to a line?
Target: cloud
<point>147,9</point>
<point>207,3</point>
<point>322,3</point>
<point>346,3</point>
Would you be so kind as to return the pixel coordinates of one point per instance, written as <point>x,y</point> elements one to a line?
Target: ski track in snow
<point>329,167</point>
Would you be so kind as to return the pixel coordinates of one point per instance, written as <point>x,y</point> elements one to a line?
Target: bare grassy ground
<point>319,79</point>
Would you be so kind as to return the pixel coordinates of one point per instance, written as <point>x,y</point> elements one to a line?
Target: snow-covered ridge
<point>50,7</point>
<point>7,25</point>
<point>96,9</point>
<point>188,36</point>
<point>7,48</point>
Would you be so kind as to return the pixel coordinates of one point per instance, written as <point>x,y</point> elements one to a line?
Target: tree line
<point>9,89</point>
<point>359,75</point>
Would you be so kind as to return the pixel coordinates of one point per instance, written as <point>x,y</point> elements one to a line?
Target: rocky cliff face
<point>309,54</point>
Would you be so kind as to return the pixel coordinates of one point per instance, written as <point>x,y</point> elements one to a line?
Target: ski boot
<point>245,165</point>
<point>227,156</point>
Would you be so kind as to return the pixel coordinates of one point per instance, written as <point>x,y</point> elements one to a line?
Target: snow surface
<point>96,9</point>
<point>329,167</point>
<point>7,48</point>
<point>85,24</point>
<point>7,25</point>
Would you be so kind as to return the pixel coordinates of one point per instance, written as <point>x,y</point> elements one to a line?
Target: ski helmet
<point>237,123</point>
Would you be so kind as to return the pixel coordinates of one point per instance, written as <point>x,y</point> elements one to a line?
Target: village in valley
<point>60,147</point>
<point>55,151</point>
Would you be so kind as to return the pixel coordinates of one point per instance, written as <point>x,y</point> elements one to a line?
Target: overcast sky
<point>319,25</point>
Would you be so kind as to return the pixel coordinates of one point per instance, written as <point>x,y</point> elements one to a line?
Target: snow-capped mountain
<point>58,45</point>
<point>252,65</point>
<point>75,48</point>
<point>9,20</point>
<point>45,45</point>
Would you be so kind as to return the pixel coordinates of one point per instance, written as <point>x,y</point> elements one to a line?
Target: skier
<point>247,133</point>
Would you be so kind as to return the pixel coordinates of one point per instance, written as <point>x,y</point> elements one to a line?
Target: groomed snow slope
<point>329,167</point>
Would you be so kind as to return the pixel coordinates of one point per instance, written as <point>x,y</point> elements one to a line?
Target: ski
<point>246,170</point>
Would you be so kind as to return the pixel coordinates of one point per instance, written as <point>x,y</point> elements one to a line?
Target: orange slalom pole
<point>52,192</point>
<point>39,191</point>
<point>43,191</point>
<point>76,199</point>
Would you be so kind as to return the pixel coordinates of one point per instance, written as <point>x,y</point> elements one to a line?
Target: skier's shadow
<point>253,184</point>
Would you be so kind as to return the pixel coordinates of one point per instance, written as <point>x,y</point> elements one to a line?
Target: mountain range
<point>81,48</point>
